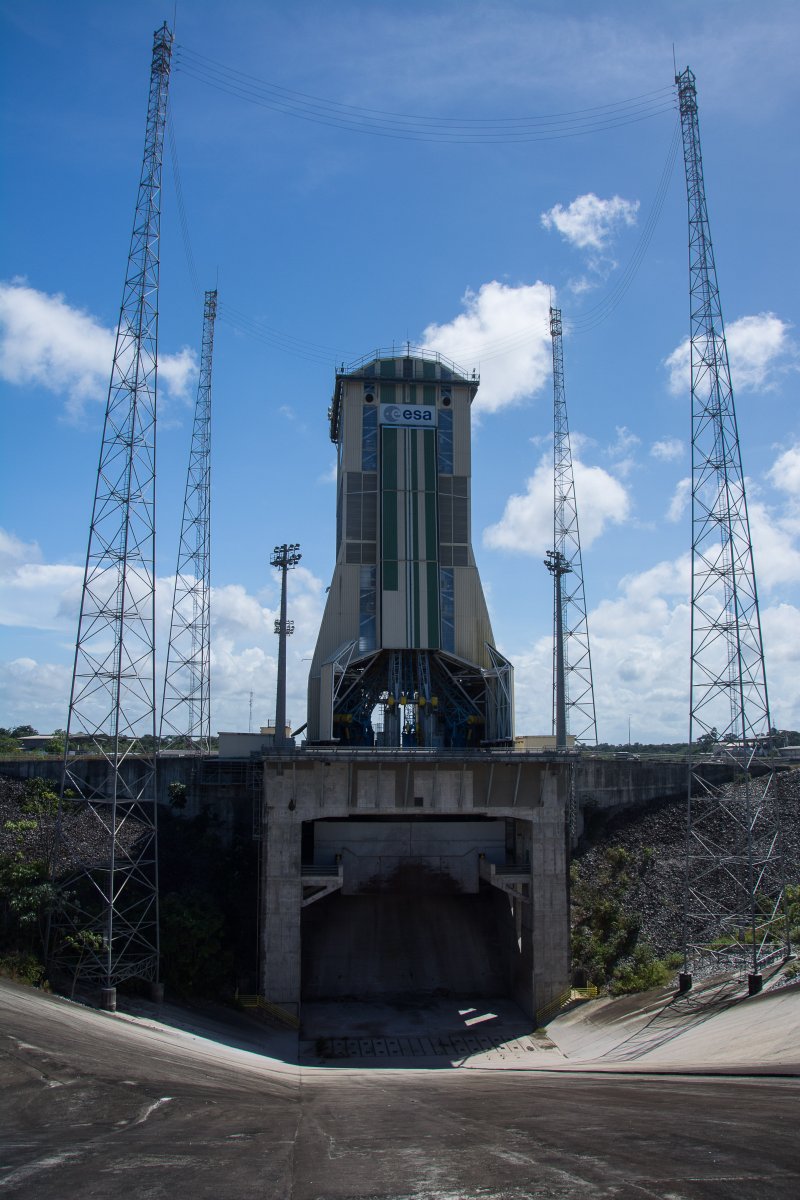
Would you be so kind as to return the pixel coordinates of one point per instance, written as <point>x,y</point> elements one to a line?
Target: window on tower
<point>367,607</point>
<point>447,608</point>
<point>445,441</point>
<point>369,438</point>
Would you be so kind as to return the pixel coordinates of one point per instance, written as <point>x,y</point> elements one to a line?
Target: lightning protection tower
<point>734,869</point>
<point>186,707</point>
<point>105,860</point>
<point>573,691</point>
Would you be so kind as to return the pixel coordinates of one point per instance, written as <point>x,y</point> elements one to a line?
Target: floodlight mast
<point>734,891</point>
<point>186,706</point>
<point>558,567</point>
<point>285,558</point>
<point>569,607</point>
<point>106,928</point>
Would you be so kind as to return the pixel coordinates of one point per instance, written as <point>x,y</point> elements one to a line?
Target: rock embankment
<point>653,843</point>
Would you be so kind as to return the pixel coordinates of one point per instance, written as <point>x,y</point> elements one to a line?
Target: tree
<point>57,742</point>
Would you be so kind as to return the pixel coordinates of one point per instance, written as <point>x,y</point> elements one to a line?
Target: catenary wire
<point>338,106</point>
<point>474,131</point>
<point>313,352</point>
<point>182,218</point>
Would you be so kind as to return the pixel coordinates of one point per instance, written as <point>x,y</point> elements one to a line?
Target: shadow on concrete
<point>387,945</point>
<point>437,1032</point>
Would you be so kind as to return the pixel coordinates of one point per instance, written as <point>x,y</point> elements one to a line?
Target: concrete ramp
<point>391,945</point>
<point>716,1027</point>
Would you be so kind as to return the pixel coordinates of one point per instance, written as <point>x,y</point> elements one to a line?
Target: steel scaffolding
<point>573,691</point>
<point>105,927</point>
<point>733,909</point>
<point>186,706</point>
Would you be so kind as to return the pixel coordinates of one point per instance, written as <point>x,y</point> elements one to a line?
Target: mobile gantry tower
<point>405,654</point>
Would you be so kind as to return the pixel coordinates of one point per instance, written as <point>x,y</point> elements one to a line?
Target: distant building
<point>245,745</point>
<point>405,654</point>
<point>541,741</point>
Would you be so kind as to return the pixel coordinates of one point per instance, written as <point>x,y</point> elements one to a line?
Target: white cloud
<point>13,551</point>
<point>505,332</point>
<point>784,474</point>
<point>679,501</point>
<point>46,342</point>
<point>759,349</point>
<point>589,222</point>
<point>35,693</point>
<point>46,597</point>
<point>33,594</point>
<point>526,525</point>
<point>640,660</point>
<point>776,558</point>
<point>668,450</point>
<point>621,450</point>
<point>329,476</point>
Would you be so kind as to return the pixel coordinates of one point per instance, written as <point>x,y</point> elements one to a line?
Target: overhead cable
<point>410,127</point>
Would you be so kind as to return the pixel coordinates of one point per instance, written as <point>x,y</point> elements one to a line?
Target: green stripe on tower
<point>389,502</point>
<point>389,457</point>
<point>433,605</point>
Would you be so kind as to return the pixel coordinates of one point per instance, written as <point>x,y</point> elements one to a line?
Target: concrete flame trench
<point>401,874</point>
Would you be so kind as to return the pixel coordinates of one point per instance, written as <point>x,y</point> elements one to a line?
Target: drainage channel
<point>451,1046</point>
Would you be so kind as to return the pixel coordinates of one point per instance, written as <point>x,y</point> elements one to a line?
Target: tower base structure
<point>390,874</point>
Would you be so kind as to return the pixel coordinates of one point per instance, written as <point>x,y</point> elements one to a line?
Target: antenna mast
<point>107,928</point>
<point>186,708</point>
<point>734,869</point>
<point>573,691</point>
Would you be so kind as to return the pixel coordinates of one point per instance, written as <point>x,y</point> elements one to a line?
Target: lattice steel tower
<point>186,707</point>
<point>573,690</point>
<point>734,892</point>
<point>107,928</point>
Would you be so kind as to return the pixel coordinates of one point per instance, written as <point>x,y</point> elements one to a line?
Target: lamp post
<point>284,558</point>
<point>558,566</point>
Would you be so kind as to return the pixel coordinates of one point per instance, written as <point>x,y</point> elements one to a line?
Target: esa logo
<point>395,414</point>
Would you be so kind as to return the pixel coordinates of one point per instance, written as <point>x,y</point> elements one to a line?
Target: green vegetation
<point>606,951</point>
<point>9,738</point>
<point>208,896</point>
<point>208,906</point>
<point>26,893</point>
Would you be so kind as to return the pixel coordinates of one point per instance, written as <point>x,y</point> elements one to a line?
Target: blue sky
<point>330,241</point>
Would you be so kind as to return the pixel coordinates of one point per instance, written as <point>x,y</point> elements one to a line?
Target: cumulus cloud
<point>329,476</point>
<point>667,450</point>
<point>759,349</point>
<point>526,525</point>
<point>45,597</point>
<point>33,594</point>
<point>621,450</point>
<point>784,474</point>
<point>776,557</point>
<point>680,500</point>
<point>589,222</point>
<point>640,660</point>
<point>505,332</point>
<point>46,342</point>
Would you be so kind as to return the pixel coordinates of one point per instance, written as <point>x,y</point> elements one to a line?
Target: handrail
<point>272,1010</point>
<point>408,351</point>
<point>544,1014</point>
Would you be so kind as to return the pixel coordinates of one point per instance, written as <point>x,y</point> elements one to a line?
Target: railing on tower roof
<point>408,351</point>
<point>448,372</point>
